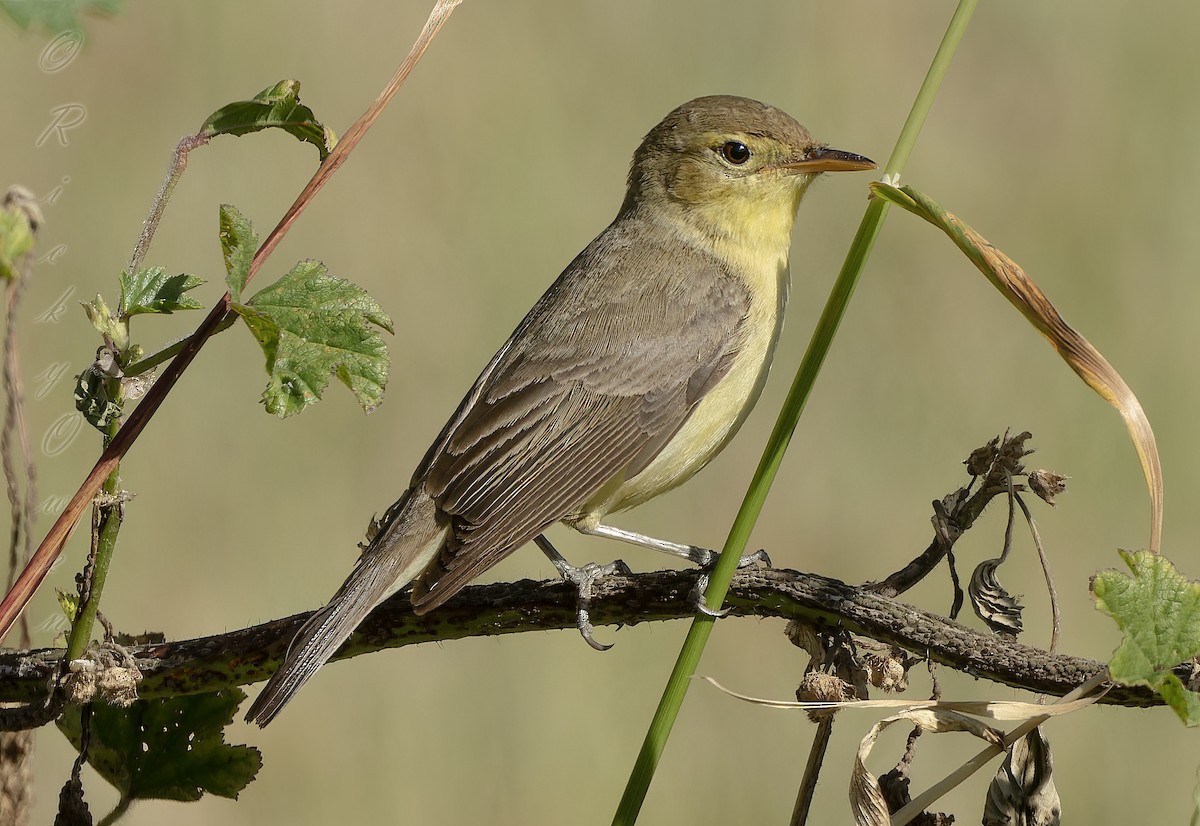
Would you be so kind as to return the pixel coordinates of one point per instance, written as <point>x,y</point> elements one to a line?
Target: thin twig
<point>159,205</point>
<point>23,507</point>
<point>957,512</point>
<point>956,603</point>
<point>1012,518</point>
<point>35,571</point>
<point>812,772</point>
<point>1055,617</point>
<point>437,18</point>
<point>16,748</point>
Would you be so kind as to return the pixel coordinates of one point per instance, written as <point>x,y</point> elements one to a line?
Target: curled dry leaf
<point>994,605</point>
<point>1076,351</point>
<point>866,798</point>
<point>804,636</point>
<point>1023,792</point>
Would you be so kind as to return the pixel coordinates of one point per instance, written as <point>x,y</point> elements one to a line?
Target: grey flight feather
<point>409,525</point>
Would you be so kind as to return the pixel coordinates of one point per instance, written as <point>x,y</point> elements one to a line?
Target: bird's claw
<point>759,558</point>
<point>584,579</point>
<point>585,630</point>
<point>696,599</point>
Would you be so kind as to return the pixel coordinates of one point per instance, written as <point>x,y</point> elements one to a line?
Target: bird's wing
<point>597,378</point>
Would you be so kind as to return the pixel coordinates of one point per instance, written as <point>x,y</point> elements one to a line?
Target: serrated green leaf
<point>276,107</point>
<point>239,242</point>
<point>312,325</point>
<point>168,749</point>
<point>107,324</point>
<point>1185,703</point>
<point>151,290</point>
<point>56,15</point>
<point>1159,612</point>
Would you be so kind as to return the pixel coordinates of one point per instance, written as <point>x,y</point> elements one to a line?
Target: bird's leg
<point>583,578</point>
<point>703,557</point>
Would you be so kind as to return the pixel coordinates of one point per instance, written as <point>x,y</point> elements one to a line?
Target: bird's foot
<point>584,579</point>
<point>707,560</point>
<point>696,596</point>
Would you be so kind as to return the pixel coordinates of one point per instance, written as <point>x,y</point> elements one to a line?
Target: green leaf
<point>108,325</point>
<point>168,749</point>
<point>239,242</point>
<point>56,15</point>
<point>1159,611</point>
<point>16,239</point>
<point>312,325</point>
<point>276,107</point>
<point>153,291</point>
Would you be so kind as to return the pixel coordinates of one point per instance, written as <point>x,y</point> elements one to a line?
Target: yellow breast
<point>721,412</point>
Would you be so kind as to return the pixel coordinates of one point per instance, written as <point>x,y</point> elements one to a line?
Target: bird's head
<point>731,167</point>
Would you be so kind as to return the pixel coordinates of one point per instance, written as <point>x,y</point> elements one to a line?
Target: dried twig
<point>957,512</point>
<point>1055,618</point>
<point>812,771</point>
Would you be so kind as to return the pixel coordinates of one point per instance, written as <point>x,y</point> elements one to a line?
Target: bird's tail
<point>408,539</point>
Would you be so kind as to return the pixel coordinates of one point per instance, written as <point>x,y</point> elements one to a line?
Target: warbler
<point>633,370</point>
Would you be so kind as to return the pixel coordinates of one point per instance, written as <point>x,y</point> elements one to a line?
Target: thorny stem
<point>247,655</point>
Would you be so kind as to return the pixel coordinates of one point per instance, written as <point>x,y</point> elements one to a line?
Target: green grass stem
<point>806,375</point>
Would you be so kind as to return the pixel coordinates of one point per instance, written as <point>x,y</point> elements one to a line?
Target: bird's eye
<point>735,152</point>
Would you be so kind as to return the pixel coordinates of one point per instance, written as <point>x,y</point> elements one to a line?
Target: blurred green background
<point>1065,133</point>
